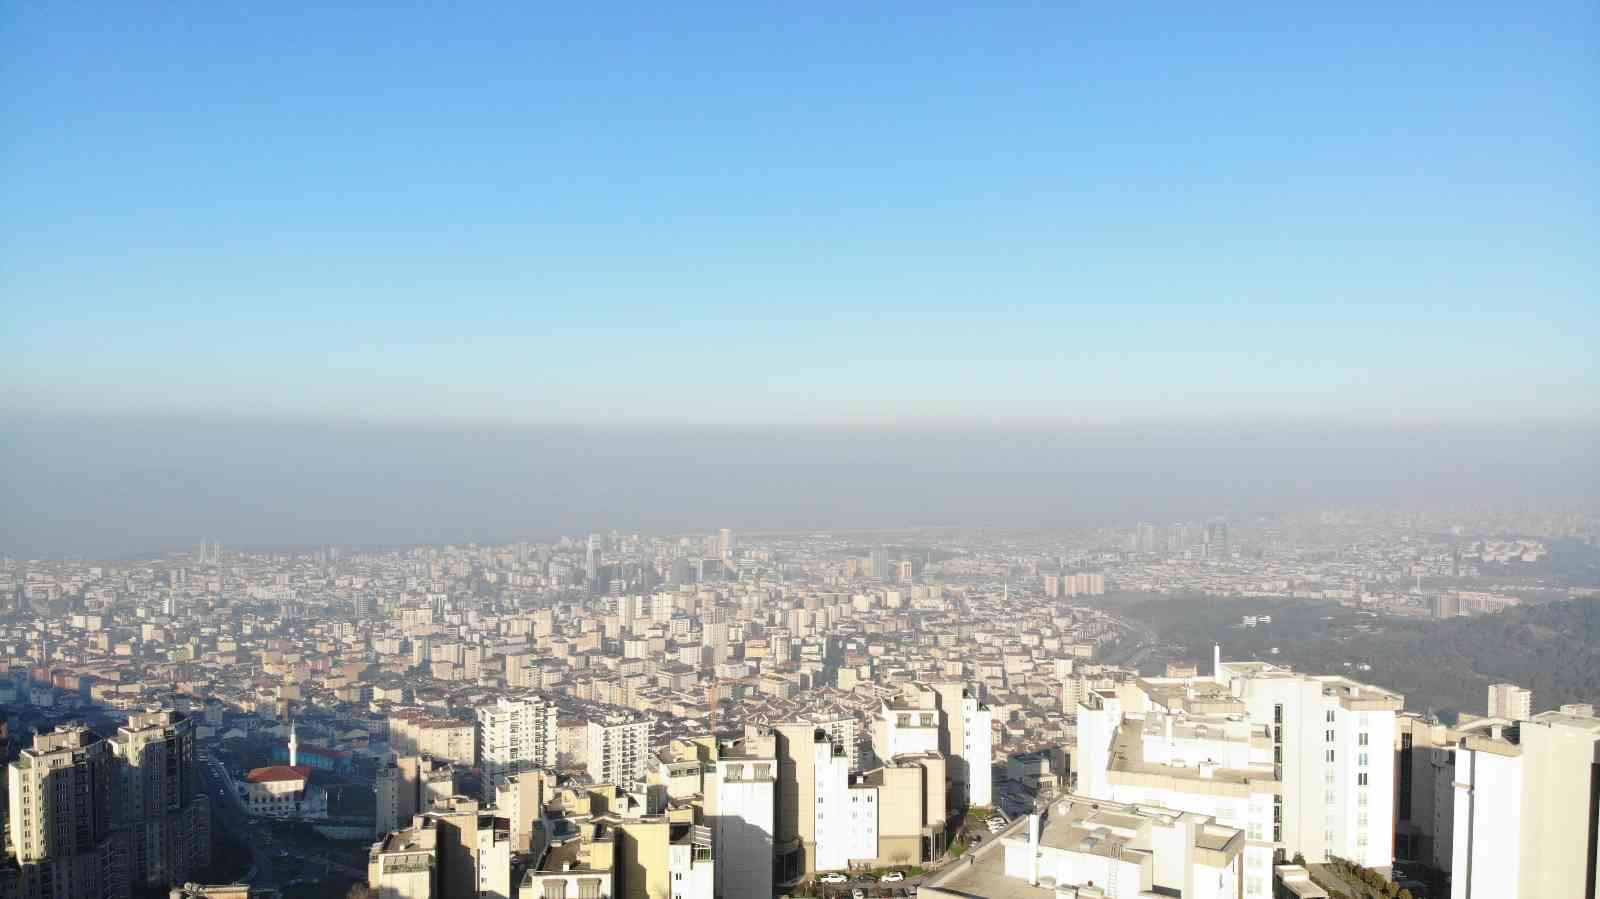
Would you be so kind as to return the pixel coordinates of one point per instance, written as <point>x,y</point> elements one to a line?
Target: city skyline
<point>91,488</point>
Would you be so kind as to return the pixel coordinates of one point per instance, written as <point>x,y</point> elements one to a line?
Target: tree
<point>1405,894</point>
<point>360,891</point>
<point>1300,859</point>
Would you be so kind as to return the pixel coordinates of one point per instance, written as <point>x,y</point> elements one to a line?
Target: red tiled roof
<point>277,773</point>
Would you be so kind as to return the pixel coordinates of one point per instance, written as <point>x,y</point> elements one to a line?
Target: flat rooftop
<point>984,877</point>
<point>1127,760</point>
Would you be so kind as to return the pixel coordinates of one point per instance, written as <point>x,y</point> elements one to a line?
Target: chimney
<point>1216,662</point>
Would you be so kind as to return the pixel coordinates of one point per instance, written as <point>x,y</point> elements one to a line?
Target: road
<point>228,812</point>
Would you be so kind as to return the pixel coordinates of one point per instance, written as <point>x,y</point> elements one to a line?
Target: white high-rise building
<point>1525,809</point>
<point>743,817</point>
<point>848,736</point>
<point>1511,702</point>
<point>1174,755</point>
<point>1333,748</point>
<point>619,749</point>
<point>946,718</point>
<point>690,862</point>
<point>970,744</point>
<point>1331,743</point>
<point>833,821</point>
<point>515,734</point>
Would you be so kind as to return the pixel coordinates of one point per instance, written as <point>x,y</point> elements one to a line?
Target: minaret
<point>294,746</point>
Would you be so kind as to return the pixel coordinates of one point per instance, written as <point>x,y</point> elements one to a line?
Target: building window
<point>1362,739</point>
<point>1361,779</point>
<point>1330,716</point>
<point>1330,756</point>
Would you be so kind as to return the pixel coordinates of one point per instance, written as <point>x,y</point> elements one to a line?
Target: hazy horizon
<point>79,486</point>
<point>294,274</point>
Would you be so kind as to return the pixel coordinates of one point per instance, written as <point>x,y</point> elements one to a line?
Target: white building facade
<point>619,749</point>
<point>1527,809</point>
<point>743,823</point>
<point>515,734</point>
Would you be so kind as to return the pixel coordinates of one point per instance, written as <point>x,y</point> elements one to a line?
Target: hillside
<point>1552,649</point>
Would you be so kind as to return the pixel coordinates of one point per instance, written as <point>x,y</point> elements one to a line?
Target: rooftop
<point>277,773</point>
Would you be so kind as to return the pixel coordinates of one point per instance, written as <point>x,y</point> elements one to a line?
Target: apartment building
<point>619,749</point>
<point>1527,809</point>
<point>1213,762</point>
<point>408,785</point>
<point>514,734</point>
<point>946,718</point>
<point>418,732</point>
<point>742,808</point>
<point>1094,848</point>
<point>1333,751</point>
<point>167,815</point>
<point>61,803</point>
<point>1510,701</point>
<point>404,864</point>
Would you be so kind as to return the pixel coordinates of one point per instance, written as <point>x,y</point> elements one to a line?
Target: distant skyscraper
<point>1217,539</point>
<point>1510,701</point>
<point>591,561</point>
<point>1145,539</point>
<point>725,544</point>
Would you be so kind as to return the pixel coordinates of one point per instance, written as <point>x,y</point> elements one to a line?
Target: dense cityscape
<point>799,451</point>
<point>931,712</point>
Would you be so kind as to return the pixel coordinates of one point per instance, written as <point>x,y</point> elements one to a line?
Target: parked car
<point>834,877</point>
<point>892,877</point>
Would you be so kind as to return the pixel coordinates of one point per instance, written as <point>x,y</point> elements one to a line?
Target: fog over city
<point>800,451</point>
<point>84,487</point>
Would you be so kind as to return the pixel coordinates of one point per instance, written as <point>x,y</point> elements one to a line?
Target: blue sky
<point>918,212</point>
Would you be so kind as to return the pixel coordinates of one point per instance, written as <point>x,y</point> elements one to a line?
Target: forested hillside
<point>1552,649</point>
